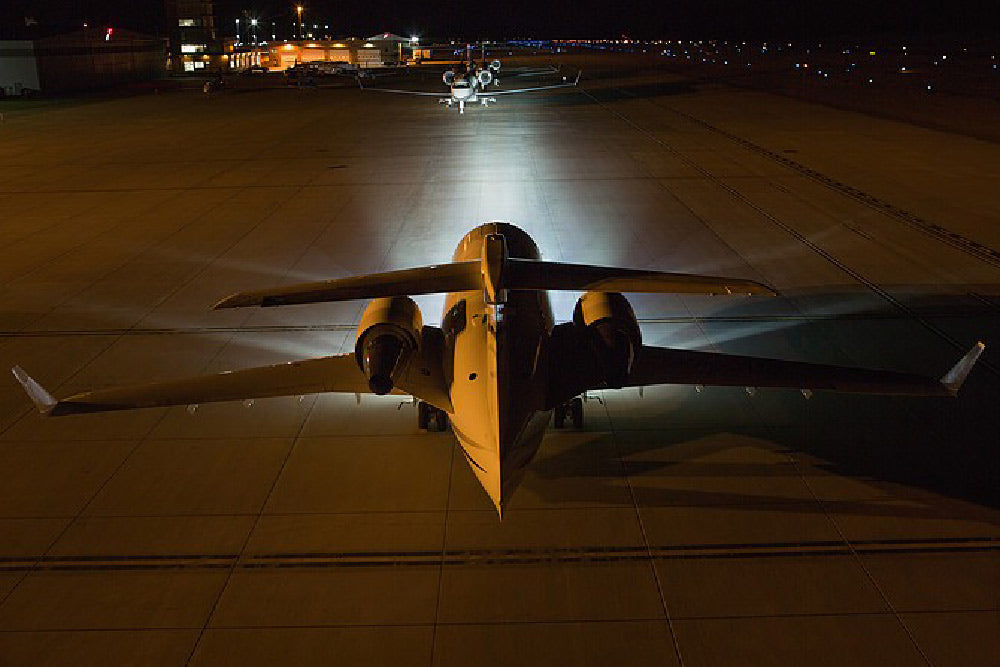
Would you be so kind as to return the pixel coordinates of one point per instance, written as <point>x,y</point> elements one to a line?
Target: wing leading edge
<point>657,365</point>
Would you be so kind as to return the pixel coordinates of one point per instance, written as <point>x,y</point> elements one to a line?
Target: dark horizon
<point>557,19</point>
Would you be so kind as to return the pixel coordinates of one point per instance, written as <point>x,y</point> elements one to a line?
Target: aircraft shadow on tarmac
<point>944,446</point>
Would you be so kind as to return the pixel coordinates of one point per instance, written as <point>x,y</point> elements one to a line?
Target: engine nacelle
<point>448,77</point>
<point>485,77</point>
<point>388,334</point>
<point>495,66</point>
<point>613,333</point>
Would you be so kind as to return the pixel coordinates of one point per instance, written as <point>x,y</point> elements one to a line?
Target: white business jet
<point>498,367</point>
<point>468,83</point>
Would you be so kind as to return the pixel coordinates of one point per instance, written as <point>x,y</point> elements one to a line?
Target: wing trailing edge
<point>326,374</point>
<point>419,376</point>
<point>657,365</point>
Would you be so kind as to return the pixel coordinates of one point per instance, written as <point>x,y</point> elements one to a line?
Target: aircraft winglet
<point>42,399</point>
<point>953,379</point>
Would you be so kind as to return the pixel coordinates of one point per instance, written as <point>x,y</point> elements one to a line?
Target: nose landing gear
<point>573,410</point>
<point>430,418</point>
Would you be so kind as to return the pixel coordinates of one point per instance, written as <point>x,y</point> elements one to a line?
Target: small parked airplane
<point>468,83</point>
<point>498,367</point>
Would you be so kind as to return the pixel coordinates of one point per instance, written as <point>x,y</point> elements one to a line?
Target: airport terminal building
<point>382,50</point>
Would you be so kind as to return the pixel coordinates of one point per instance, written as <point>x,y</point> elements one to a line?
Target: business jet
<point>498,367</point>
<point>468,83</point>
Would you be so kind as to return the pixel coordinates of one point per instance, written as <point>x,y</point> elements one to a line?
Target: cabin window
<point>454,320</point>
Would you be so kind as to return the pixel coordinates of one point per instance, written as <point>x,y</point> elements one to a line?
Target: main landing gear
<point>430,418</point>
<point>573,410</point>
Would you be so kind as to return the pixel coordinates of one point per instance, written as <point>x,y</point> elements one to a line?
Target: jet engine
<point>612,334</point>
<point>485,77</point>
<point>388,334</point>
<point>448,77</point>
<point>495,66</point>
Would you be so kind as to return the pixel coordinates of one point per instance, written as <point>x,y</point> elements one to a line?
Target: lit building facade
<point>194,43</point>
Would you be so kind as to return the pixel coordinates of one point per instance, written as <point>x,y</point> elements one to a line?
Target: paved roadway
<point>678,528</point>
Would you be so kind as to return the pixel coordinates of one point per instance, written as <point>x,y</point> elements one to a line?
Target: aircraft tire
<point>423,415</point>
<point>559,416</point>
<point>440,420</point>
<point>576,412</point>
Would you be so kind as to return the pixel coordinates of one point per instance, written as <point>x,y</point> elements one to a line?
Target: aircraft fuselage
<point>492,355</point>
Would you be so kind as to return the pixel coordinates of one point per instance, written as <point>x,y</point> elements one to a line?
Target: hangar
<point>89,58</point>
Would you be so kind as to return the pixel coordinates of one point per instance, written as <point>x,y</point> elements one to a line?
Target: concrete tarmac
<point>712,528</point>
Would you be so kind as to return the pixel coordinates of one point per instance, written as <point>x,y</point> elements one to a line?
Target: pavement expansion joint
<point>497,557</point>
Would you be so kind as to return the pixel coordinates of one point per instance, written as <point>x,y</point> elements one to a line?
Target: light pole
<point>298,9</point>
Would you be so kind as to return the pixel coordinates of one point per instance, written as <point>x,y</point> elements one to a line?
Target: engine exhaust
<point>381,356</point>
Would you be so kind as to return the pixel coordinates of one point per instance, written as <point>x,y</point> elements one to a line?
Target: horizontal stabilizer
<point>455,277</point>
<point>515,274</point>
<point>531,274</point>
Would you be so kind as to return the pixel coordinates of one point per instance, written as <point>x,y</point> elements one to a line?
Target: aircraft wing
<point>312,376</point>
<point>404,92</point>
<point>409,92</point>
<point>568,84</point>
<point>657,365</point>
<point>540,71</point>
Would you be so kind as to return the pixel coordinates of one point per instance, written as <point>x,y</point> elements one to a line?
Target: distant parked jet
<point>468,83</point>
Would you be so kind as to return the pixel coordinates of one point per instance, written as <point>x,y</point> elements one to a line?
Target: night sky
<point>702,19</point>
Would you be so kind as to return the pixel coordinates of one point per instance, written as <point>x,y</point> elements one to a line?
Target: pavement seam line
<point>645,537</point>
